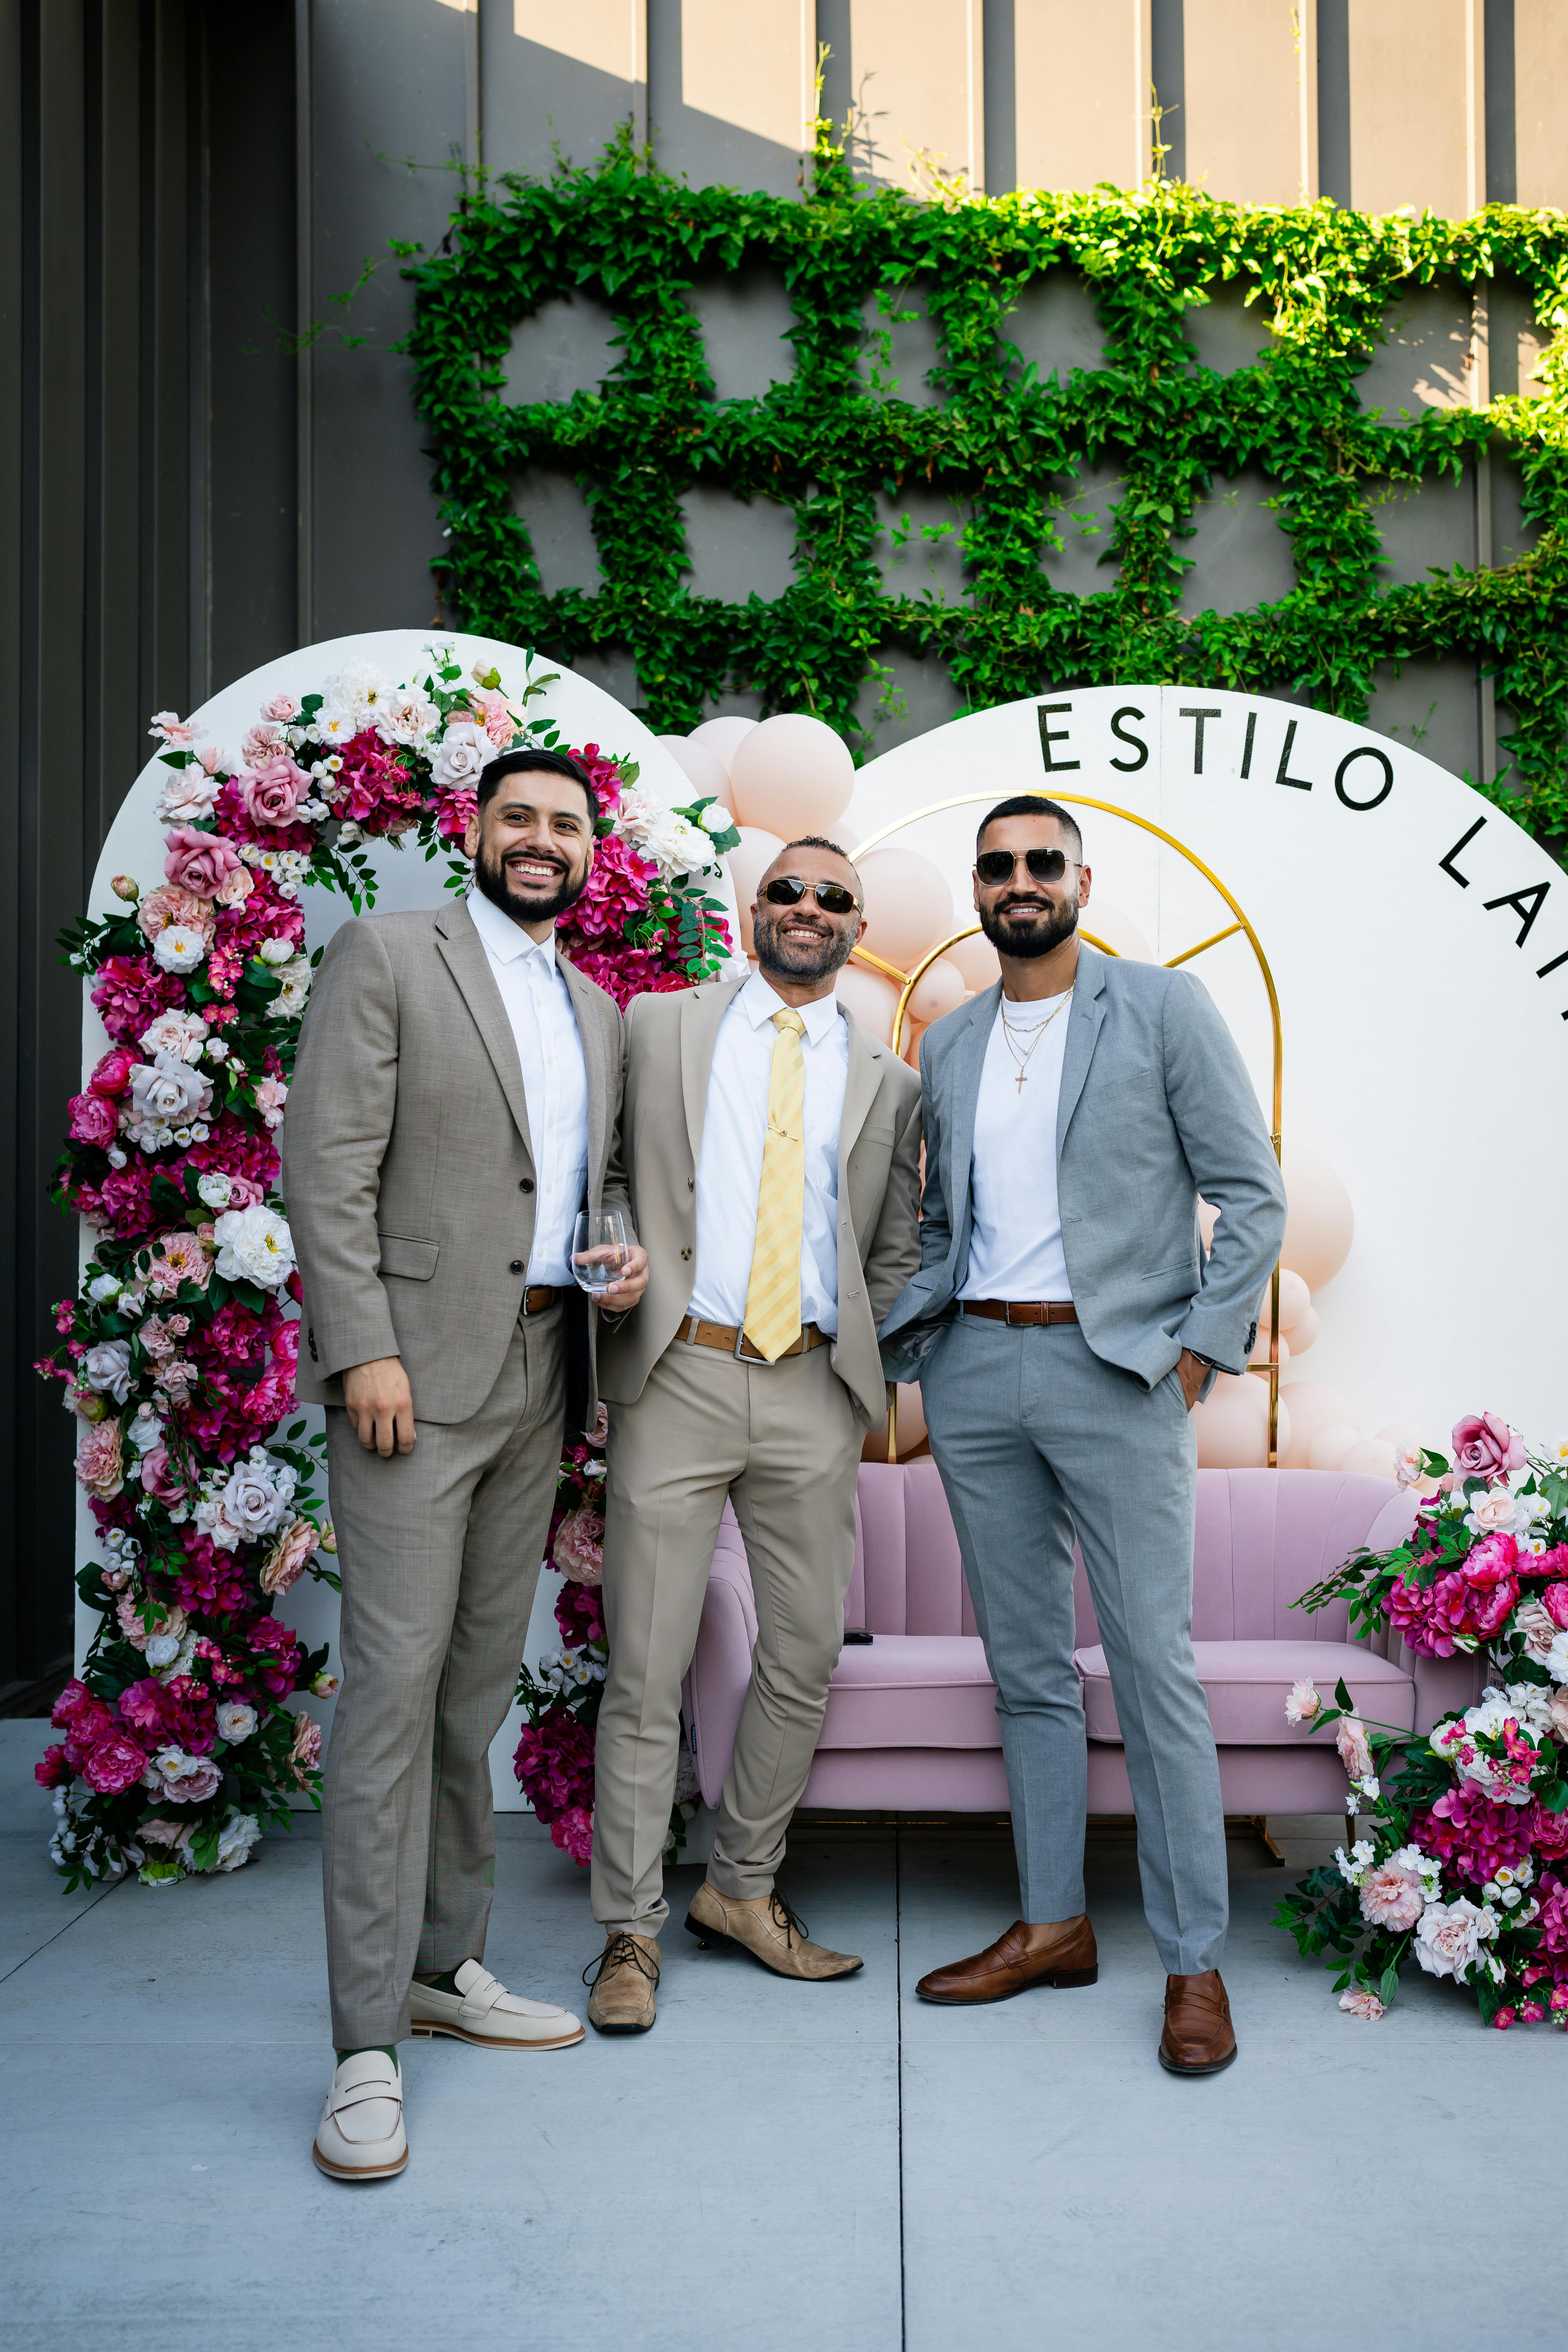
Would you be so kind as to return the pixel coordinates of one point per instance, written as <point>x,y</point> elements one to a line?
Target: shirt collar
<point>505,940</point>
<point>760,1004</point>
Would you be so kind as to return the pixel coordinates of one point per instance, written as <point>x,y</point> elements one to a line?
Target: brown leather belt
<point>1021,1311</point>
<point>541,1295</point>
<point>698,1334</point>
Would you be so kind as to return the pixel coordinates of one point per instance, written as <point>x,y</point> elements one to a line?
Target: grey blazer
<point>408,1165</point>
<point>1156,1107</point>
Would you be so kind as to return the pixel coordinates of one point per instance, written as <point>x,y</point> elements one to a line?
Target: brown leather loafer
<point>1199,2038</point>
<point>1060,1954</point>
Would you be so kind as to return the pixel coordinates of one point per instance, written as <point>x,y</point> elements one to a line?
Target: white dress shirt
<point>555,1081</point>
<point>730,1168</point>
<point>1015,1247</point>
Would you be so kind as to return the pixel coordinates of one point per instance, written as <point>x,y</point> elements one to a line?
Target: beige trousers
<point>781,1442</point>
<point>439,1552</point>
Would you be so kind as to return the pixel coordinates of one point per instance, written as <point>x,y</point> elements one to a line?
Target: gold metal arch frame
<point>907,982</point>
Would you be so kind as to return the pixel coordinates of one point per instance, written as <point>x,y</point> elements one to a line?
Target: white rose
<point>1556,1659</point>
<point>166,1092</point>
<point>144,1431</point>
<point>177,949</point>
<point>215,1188</point>
<point>255,1246</point>
<point>180,1033</point>
<point>1497,1512</point>
<point>238,1834</point>
<point>716,818</point>
<point>256,1497</point>
<point>107,1367</point>
<point>236,1721</point>
<point>105,1287</point>
<point>162,1649</point>
<point>217,1049</point>
<point>462,754</point>
<point>189,794</point>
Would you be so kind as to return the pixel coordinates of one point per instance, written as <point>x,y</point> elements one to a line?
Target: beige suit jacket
<point>670,1044</point>
<point>408,1167</point>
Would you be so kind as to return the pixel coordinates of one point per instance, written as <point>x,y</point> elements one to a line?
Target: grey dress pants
<point>439,1551</point>
<point>1036,1438</point>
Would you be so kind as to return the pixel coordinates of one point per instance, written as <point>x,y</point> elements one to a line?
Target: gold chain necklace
<point>1024,1058</point>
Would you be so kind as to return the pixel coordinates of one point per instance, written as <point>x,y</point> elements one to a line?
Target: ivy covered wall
<point>840,443</point>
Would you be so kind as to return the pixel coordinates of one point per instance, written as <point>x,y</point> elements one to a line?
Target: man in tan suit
<point>455,1103</point>
<point>771,1150</point>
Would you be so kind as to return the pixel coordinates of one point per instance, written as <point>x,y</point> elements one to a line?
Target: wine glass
<point>598,1248</point>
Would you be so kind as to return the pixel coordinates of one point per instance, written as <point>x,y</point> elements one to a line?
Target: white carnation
<point>178,949</point>
<point>255,1246</point>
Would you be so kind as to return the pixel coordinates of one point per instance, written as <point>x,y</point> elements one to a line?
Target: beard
<point>798,959</point>
<point>1052,925</point>
<point>490,875</point>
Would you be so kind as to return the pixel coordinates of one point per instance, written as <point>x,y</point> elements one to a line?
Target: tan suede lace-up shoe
<point>623,1984</point>
<point>766,1928</point>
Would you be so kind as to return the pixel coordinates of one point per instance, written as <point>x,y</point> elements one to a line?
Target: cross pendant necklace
<point>1024,1058</point>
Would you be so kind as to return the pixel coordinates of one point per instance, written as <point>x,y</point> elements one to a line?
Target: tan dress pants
<point>439,1552</point>
<point>781,1442</point>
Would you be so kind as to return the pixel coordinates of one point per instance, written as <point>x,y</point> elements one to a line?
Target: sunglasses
<point>787,890</point>
<point>994,866</point>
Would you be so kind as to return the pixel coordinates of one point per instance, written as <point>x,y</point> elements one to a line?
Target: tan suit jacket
<point>407,1161</point>
<point>670,1044</point>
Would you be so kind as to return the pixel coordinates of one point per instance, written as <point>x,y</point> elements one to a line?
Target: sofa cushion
<point>912,1690</point>
<point>1246,1684</point>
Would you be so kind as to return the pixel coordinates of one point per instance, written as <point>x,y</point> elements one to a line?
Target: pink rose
<point>281,709</point>
<point>272,793</point>
<point>165,1834</point>
<point>285,1563</point>
<point>579,1547</point>
<point>1354,1753</point>
<point>305,1755</point>
<point>116,1764</point>
<point>199,862</point>
<point>99,1468</point>
<point>187,1779</point>
<point>1559,1714</point>
<point>1365,2005</point>
<point>129,1615</point>
<point>159,1476</point>
<point>93,1120</point>
<point>112,1076</point>
<point>1302,1702</point>
<point>1554,1600</point>
<point>191,910</point>
<point>1392,1896</point>
<point>1485,1447</point>
<point>271,1094</point>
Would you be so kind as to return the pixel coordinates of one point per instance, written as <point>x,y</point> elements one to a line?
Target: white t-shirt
<point>1015,1247</point>
<point>730,1168</point>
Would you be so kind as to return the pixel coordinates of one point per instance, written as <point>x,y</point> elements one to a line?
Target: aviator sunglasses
<point>787,890</point>
<point>994,866</point>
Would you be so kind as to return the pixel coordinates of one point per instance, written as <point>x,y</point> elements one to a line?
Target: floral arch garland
<point>177,1739</point>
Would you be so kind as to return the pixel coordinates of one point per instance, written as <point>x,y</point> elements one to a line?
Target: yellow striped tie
<point>773,1292</point>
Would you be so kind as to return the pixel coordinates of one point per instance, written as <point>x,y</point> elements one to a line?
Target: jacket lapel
<point>867,1059</point>
<point>1083,1030</point>
<point>701,1012</point>
<point>470,967</point>
<point>968,1058</point>
<point>591,1030</point>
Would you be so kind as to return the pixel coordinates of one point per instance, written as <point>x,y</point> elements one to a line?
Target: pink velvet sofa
<point>911,1724</point>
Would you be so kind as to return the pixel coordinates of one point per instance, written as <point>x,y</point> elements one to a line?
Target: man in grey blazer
<point>771,1150</point>
<point>1062,1325</point>
<point>455,1101</point>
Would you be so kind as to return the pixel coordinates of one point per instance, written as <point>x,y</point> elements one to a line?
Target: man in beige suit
<point>455,1103</point>
<point>771,1150</point>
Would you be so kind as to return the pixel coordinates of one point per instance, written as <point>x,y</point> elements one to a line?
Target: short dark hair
<point>1035,804</point>
<point>819,841</point>
<point>553,763</point>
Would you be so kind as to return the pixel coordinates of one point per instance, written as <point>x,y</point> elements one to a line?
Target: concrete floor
<point>776,2167</point>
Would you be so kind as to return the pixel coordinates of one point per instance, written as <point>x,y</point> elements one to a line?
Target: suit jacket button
<point>517,1265</point>
<point>691,1183</point>
<point>524,1184</point>
<point>686,1252</point>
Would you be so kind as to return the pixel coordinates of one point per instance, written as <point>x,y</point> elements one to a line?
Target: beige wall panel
<point>915,67</point>
<point>1540,83</point>
<point>752,65</point>
<point>1250,100</point>
<point>1417,106</point>
<point>1082,82</point>
<point>606,34</point>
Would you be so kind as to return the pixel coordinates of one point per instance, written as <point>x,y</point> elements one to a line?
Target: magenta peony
<point>52,1770</point>
<point>1485,1447</point>
<point>112,1076</point>
<point>1554,1600</point>
<point>1476,1837</point>
<point>92,1121</point>
<point>580,1614</point>
<point>1452,1605</point>
<point>116,1764</point>
<point>554,1763</point>
<point>1552,1918</point>
<point>573,1830</point>
<point>129,993</point>
<point>617,891</point>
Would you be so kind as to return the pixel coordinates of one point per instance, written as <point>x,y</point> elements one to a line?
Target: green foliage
<point>1003,441</point>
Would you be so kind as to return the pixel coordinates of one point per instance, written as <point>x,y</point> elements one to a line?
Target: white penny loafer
<point>485,2013</point>
<point>360,2136</point>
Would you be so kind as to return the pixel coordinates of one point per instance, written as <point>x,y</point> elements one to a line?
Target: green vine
<point>826,441</point>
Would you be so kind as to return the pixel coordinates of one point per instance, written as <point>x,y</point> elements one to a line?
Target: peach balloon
<point>1295,1299</point>
<point>1401,1433</point>
<point>1118,931</point>
<point>938,991</point>
<point>1302,1332</point>
<point>1232,1424</point>
<point>872,999</point>
<point>720,736</point>
<point>700,765</point>
<point>1320,1224</point>
<point>749,861</point>
<point>792,774</point>
<point>1313,1406</point>
<point>1330,1444</point>
<point>977,960</point>
<point>1371,1458</point>
<point>910,1431</point>
<point>908,906</point>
